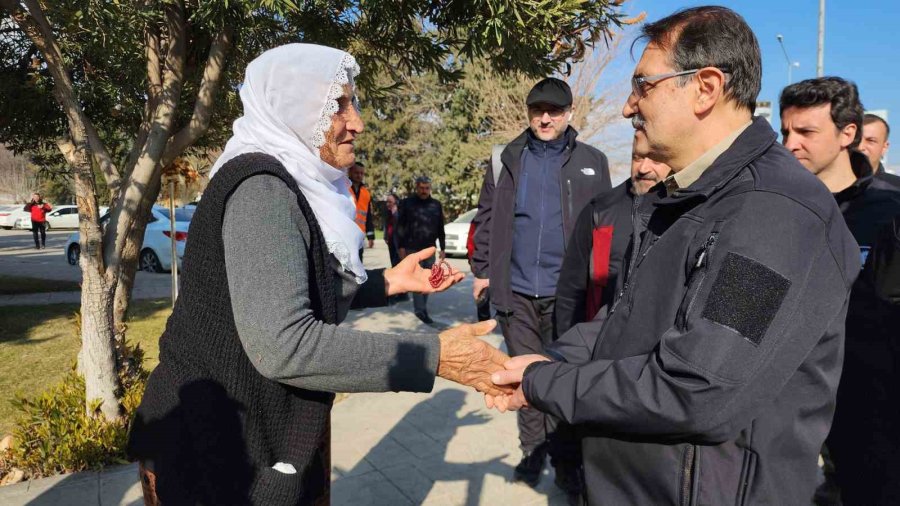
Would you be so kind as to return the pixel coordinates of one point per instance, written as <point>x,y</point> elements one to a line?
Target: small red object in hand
<point>440,272</point>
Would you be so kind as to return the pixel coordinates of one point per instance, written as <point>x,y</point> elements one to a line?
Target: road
<point>19,258</point>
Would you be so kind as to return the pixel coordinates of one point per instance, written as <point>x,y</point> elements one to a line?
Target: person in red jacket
<point>38,209</point>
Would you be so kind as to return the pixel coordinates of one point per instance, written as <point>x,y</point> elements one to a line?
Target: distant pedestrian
<point>38,209</point>
<point>390,227</point>
<point>363,201</point>
<point>420,222</point>
<point>875,144</point>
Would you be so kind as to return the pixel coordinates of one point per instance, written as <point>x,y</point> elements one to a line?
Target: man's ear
<point>570,116</point>
<point>710,90</point>
<point>847,135</point>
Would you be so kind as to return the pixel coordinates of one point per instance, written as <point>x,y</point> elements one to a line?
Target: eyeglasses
<point>638,82</point>
<point>554,112</point>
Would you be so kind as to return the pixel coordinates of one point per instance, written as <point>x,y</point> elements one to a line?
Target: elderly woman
<point>237,412</point>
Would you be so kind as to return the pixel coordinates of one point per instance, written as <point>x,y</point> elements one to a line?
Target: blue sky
<point>862,43</point>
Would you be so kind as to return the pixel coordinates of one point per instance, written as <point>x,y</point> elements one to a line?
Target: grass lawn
<point>14,285</point>
<point>39,344</point>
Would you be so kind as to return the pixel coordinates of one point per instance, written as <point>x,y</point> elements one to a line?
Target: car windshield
<point>466,217</point>
<point>181,214</point>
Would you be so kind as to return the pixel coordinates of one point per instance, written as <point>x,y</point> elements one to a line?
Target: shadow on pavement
<point>413,456</point>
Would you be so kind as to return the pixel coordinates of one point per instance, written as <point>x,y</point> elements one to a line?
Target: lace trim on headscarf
<point>347,71</point>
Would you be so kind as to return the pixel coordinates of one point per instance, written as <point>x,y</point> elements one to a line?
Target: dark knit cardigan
<point>210,424</point>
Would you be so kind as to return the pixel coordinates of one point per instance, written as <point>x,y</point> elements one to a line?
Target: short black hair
<point>423,179</point>
<point>712,36</point>
<point>873,118</point>
<point>843,95</point>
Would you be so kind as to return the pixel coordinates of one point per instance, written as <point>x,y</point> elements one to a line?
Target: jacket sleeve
<point>606,184</point>
<point>47,207</point>
<point>571,288</point>
<point>440,231</point>
<point>746,323</point>
<point>372,293</point>
<point>266,265</point>
<point>882,270</point>
<point>482,221</point>
<point>370,222</point>
<point>400,226</point>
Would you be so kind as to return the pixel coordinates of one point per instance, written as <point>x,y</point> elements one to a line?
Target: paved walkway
<point>442,448</point>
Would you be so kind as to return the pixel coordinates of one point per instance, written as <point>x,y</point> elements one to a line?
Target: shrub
<point>55,434</point>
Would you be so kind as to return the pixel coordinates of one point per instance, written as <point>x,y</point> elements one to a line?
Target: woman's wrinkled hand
<point>409,276</point>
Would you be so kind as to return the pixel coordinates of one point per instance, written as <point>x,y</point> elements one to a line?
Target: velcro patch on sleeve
<point>746,297</point>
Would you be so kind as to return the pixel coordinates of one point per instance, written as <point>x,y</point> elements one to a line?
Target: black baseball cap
<point>551,91</point>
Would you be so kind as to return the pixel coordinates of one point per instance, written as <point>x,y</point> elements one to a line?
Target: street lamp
<point>787,58</point>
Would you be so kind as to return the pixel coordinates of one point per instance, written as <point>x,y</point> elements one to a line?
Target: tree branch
<point>147,166</point>
<point>35,25</point>
<point>154,88</point>
<point>203,107</point>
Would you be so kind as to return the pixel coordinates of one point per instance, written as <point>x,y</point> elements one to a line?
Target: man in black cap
<point>526,214</point>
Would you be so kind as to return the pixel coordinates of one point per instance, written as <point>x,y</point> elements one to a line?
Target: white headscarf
<point>289,95</point>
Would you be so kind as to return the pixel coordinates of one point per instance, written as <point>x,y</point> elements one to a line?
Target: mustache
<point>637,121</point>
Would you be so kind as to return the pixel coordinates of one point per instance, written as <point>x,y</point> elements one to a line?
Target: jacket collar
<point>556,146</point>
<point>755,140</point>
<point>864,175</point>
<point>512,155</point>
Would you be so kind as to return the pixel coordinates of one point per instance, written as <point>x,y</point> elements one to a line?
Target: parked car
<point>156,252</point>
<point>65,216</point>
<point>457,232</point>
<point>10,213</point>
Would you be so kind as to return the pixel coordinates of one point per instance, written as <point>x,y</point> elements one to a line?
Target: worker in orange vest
<point>363,200</point>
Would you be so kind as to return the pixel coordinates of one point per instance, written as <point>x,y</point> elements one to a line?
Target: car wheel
<point>73,254</point>
<point>150,262</point>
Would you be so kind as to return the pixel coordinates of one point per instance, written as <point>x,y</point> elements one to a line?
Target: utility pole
<point>791,64</point>
<point>820,66</point>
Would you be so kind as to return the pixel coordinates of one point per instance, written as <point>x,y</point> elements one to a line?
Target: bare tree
<point>17,179</point>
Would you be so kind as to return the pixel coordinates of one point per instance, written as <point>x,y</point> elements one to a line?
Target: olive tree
<point>124,89</point>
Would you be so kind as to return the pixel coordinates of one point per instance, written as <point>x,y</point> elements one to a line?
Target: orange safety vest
<point>362,206</point>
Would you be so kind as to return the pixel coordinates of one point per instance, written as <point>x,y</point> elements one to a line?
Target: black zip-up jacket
<point>420,222</point>
<point>713,378</point>
<point>609,209</point>
<point>584,174</point>
<point>864,438</point>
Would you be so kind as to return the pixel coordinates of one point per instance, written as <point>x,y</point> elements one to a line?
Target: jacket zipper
<point>636,243</point>
<point>537,270</point>
<point>701,263</point>
<point>687,480</point>
<point>569,189</point>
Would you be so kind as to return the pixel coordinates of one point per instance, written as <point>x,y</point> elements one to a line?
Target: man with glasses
<point>713,377</point>
<point>524,220</point>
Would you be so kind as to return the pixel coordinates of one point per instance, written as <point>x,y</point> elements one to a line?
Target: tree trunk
<point>130,257</point>
<point>97,357</point>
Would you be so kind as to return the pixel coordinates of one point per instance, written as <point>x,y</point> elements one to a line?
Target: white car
<point>156,252</point>
<point>9,214</point>
<point>65,216</point>
<point>456,234</point>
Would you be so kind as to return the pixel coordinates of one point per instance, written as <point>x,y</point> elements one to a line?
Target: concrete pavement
<point>442,448</point>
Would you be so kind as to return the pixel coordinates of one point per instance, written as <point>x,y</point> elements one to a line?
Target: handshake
<point>467,360</point>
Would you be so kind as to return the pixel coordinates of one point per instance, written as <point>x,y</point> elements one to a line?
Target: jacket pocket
<point>696,278</point>
<point>748,473</point>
